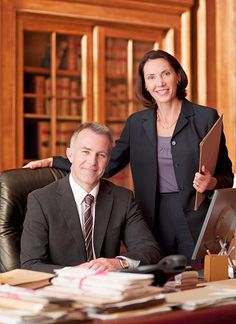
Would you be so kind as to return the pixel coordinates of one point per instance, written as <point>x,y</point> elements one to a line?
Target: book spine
<point>71,58</point>
<point>74,103</point>
<point>39,86</point>
<point>61,54</point>
<point>44,134</point>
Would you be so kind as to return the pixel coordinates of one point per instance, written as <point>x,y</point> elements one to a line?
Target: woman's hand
<point>204,181</point>
<point>39,164</point>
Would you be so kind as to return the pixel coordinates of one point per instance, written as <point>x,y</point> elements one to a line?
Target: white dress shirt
<point>79,195</point>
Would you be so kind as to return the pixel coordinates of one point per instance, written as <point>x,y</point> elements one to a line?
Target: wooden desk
<point>214,315</point>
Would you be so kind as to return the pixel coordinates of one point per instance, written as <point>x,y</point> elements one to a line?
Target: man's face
<point>89,157</point>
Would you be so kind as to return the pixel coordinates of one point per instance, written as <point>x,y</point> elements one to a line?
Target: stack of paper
<point>208,296</point>
<point>106,292</point>
<point>20,305</point>
<point>102,283</point>
<point>26,278</point>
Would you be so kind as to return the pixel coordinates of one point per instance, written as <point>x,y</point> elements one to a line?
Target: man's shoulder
<point>51,188</point>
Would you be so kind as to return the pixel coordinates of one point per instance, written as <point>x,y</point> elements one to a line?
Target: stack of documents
<point>209,296</point>
<point>77,294</point>
<point>103,292</point>
<point>22,305</point>
<point>103,283</point>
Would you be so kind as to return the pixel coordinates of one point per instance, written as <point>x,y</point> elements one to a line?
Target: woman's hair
<point>94,127</point>
<point>142,94</point>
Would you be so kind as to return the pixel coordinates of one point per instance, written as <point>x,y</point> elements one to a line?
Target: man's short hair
<point>96,128</point>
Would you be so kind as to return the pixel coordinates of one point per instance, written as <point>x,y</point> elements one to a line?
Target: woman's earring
<point>178,82</point>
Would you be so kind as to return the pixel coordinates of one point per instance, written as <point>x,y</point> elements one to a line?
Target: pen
<point>207,250</point>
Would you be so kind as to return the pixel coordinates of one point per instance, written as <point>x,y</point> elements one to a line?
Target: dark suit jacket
<point>52,236</point>
<point>138,146</point>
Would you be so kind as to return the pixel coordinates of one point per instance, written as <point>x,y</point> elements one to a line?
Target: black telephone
<point>164,269</point>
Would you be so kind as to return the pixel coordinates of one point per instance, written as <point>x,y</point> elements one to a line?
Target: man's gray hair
<point>94,127</point>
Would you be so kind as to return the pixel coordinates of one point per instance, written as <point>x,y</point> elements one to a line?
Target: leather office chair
<point>15,185</point>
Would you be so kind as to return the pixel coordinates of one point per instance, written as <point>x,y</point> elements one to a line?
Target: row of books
<point>117,110</point>
<point>116,89</point>
<point>68,53</point>
<point>67,92</point>
<point>63,135</point>
<point>140,48</point>
<point>116,94</point>
<point>117,55</point>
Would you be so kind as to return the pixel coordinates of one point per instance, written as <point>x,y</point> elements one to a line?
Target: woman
<point>161,144</point>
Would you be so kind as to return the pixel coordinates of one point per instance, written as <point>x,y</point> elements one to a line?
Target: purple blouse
<point>167,179</point>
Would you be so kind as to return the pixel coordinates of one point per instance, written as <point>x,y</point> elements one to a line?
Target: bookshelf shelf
<point>118,99</point>
<point>36,95</point>
<point>36,70</point>
<point>68,73</point>
<point>115,76</point>
<point>69,118</point>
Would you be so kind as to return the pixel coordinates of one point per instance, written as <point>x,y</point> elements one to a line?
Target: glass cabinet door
<point>122,54</point>
<point>56,91</point>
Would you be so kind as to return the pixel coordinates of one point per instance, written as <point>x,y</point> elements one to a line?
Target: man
<point>56,230</point>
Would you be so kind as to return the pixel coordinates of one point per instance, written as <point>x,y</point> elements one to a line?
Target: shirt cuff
<point>132,263</point>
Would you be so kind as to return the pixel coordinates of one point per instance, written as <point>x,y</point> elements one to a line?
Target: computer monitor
<point>219,224</point>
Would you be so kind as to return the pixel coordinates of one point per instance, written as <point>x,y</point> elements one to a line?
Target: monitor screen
<point>219,224</point>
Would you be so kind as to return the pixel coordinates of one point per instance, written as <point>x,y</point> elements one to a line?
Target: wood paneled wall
<point>214,62</point>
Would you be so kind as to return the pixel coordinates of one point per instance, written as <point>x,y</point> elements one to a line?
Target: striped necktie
<point>88,226</point>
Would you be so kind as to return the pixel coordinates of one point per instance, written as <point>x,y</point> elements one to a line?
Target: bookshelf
<point>55,90</point>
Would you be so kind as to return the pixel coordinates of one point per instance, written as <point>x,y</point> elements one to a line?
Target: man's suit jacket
<point>52,236</point>
<point>137,145</point>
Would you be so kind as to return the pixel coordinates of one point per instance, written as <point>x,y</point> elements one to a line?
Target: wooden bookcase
<point>54,69</point>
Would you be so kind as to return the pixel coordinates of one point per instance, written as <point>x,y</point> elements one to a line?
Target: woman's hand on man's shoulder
<point>44,163</point>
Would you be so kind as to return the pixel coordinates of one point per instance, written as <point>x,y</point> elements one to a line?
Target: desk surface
<point>214,315</point>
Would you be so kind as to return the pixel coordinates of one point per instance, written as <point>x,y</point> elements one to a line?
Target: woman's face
<point>161,80</point>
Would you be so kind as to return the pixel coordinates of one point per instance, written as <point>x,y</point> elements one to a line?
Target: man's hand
<point>204,181</point>
<point>102,264</point>
<point>39,164</point>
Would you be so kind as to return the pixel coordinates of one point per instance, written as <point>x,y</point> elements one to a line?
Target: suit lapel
<point>69,211</point>
<point>149,125</point>
<point>186,111</point>
<point>103,211</point>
